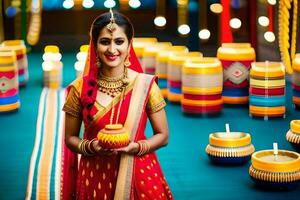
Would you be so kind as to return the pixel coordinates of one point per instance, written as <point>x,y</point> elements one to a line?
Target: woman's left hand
<point>132,148</point>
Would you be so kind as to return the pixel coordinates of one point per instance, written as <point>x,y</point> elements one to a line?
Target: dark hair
<point>104,19</point>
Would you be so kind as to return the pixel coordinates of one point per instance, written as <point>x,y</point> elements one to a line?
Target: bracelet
<point>90,147</point>
<point>144,147</point>
<point>83,147</point>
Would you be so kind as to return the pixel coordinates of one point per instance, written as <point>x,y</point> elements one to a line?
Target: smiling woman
<point>102,98</point>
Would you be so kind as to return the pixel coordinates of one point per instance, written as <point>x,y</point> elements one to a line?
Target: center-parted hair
<point>104,19</point>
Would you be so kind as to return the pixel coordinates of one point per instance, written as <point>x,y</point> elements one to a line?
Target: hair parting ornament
<point>111,26</point>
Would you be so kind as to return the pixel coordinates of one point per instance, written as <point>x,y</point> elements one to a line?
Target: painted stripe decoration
<point>44,171</point>
<point>267,96</point>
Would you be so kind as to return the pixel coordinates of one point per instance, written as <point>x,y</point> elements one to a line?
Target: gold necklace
<point>112,86</point>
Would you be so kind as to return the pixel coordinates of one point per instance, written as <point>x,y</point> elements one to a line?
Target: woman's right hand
<point>100,151</point>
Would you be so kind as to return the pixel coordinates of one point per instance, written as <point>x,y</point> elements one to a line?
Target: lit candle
<point>227,128</point>
<point>275,150</point>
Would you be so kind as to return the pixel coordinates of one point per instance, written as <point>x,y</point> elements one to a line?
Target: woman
<point>110,89</point>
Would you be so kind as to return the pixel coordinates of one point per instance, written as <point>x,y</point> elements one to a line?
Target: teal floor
<point>184,161</point>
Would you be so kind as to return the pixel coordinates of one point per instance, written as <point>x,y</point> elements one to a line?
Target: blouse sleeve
<point>156,101</point>
<point>73,104</point>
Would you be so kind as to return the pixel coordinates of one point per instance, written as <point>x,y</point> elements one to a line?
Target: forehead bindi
<point>117,33</point>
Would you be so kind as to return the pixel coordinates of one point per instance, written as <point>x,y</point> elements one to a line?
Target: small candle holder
<point>293,135</point>
<point>275,171</point>
<point>229,148</point>
<point>113,136</point>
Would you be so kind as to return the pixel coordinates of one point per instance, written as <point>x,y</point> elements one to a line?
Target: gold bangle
<point>144,147</point>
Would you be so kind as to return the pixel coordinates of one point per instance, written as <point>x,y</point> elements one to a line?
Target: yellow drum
<point>20,49</point>
<point>175,64</point>
<point>139,45</point>
<point>161,66</point>
<point>200,77</point>
<point>236,60</point>
<point>113,136</point>
<point>149,56</point>
<point>9,84</point>
<point>280,171</point>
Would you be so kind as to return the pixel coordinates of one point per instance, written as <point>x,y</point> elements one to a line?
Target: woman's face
<point>112,47</point>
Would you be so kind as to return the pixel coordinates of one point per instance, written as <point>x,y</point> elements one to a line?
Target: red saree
<point>118,176</point>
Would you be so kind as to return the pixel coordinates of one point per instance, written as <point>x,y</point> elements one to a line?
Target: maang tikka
<point>112,24</point>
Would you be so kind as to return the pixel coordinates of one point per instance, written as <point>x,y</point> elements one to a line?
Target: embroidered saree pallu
<point>267,89</point>
<point>200,76</point>
<point>236,60</point>
<point>161,66</point>
<point>9,85</point>
<point>280,171</point>
<point>293,135</point>
<point>233,148</point>
<point>296,80</point>
<point>149,56</point>
<point>22,63</point>
<point>175,64</point>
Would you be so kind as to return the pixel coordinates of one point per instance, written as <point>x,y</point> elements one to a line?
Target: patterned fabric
<point>236,73</point>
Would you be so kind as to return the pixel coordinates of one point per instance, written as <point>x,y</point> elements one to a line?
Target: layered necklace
<point>112,86</point>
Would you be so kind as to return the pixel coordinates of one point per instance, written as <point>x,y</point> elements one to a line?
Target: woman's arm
<point>72,130</point>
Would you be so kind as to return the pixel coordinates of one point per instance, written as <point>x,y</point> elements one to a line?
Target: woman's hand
<point>100,151</point>
<point>132,148</point>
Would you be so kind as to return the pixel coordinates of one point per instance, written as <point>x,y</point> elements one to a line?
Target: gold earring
<point>98,63</point>
<point>127,63</point>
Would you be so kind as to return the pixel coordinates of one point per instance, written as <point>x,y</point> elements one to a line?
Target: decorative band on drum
<point>295,87</point>
<point>229,84</point>
<point>267,111</point>
<point>202,81</point>
<point>22,79</point>
<point>162,83</point>
<point>235,100</point>
<point>201,109</point>
<point>9,107</point>
<point>202,70</point>
<point>296,100</point>
<point>202,97</point>
<point>235,92</point>
<point>267,83</point>
<point>267,101</point>
<point>266,91</point>
<point>176,84</point>
<point>175,90</point>
<point>9,100</point>
<point>296,93</point>
<point>201,103</point>
<point>9,93</point>
<point>174,97</point>
<point>204,91</point>
<point>162,76</point>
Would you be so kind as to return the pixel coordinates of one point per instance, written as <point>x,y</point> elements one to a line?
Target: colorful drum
<point>202,81</point>
<point>236,60</point>
<point>52,67</point>
<point>267,89</point>
<point>149,56</point>
<point>296,81</point>
<point>293,135</point>
<point>233,148</point>
<point>20,49</point>
<point>81,59</point>
<point>161,66</point>
<point>175,64</point>
<point>281,171</point>
<point>139,45</point>
<point>9,84</point>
